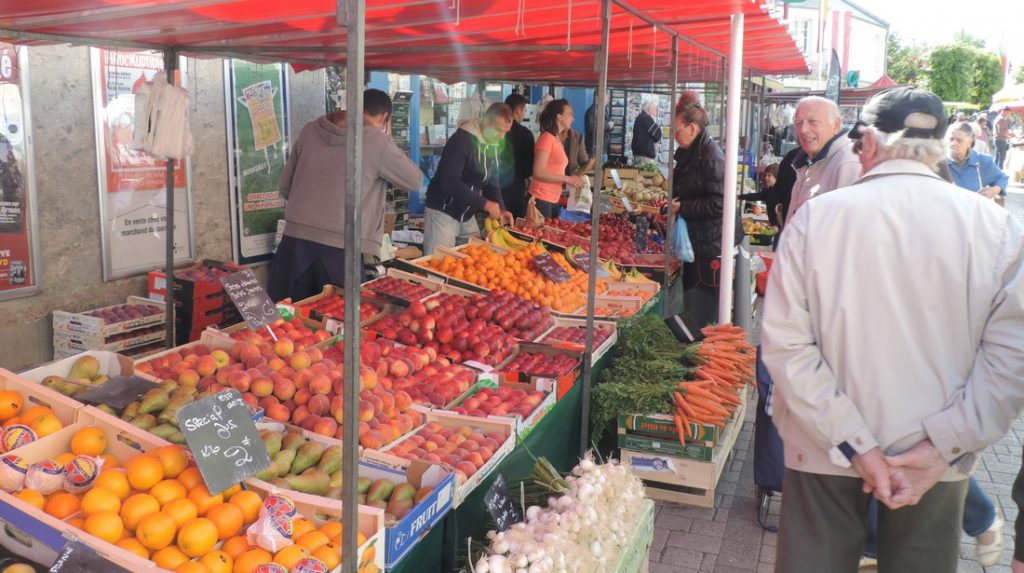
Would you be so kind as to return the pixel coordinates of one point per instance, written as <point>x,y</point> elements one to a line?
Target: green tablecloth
<point>556,437</point>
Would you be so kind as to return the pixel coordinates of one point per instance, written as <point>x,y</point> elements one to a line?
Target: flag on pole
<point>834,74</point>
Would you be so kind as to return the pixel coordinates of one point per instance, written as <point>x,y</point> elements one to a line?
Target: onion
<point>500,546</point>
<point>498,564</point>
<point>482,566</point>
<point>532,513</point>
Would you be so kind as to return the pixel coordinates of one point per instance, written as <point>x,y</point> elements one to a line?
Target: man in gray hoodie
<point>311,253</point>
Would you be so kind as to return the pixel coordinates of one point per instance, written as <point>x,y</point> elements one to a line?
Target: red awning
<point>884,82</point>
<point>525,40</point>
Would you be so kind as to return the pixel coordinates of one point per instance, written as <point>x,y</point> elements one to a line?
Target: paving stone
<point>663,568</point>
<point>719,568</point>
<point>705,527</point>
<point>767,554</point>
<point>765,568</point>
<point>690,511</point>
<point>660,538</point>
<point>708,563</point>
<point>682,557</point>
<point>722,515</point>
<point>673,522</point>
<point>685,540</point>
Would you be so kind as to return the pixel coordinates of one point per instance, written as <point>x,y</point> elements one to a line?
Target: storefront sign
<point>18,256</point>
<point>258,141</point>
<point>132,184</point>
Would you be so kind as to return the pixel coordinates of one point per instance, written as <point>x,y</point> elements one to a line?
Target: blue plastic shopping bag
<point>682,248</point>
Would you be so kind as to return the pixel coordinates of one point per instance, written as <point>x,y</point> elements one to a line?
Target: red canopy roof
<point>524,40</point>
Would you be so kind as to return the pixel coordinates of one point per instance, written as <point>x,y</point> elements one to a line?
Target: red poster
<point>15,226</point>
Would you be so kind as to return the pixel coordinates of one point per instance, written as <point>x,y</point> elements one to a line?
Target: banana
<point>512,241</point>
<point>491,224</point>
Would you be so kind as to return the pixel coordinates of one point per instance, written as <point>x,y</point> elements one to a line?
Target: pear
<point>330,462</point>
<point>380,490</point>
<point>272,441</point>
<point>292,441</point>
<point>312,481</point>
<point>85,367</point>
<point>306,457</point>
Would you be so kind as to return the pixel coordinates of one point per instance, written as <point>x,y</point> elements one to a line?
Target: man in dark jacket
<point>468,180</point>
<point>590,127</point>
<point>517,160</point>
<point>646,132</point>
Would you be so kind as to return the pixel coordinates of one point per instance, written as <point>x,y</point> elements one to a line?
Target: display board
<point>19,260</point>
<point>258,141</point>
<point>132,184</point>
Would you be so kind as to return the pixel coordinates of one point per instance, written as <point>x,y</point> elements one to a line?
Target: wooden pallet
<point>684,480</point>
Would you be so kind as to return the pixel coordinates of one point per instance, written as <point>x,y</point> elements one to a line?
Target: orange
<point>203,499</point>
<point>190,567</point>
<point>64,458</point>
<point>169,557</point>
<point>190,478</point>
<point>180,510</point>
<point>217,562</point>
<point>301,527</point>
<point>173,459</point>
<point>144,471</point>
<point>109,462</point>
<point>330,554</point>
<point>331,529</point>
<point>231,491</point>
<point>45,425</point>
<point>168,490</point>
<point>312,540</point>
<point>13,421</point>
<point>228,518</point>
<point>31,497</point>
<point>106,525</point>
<point>115,482</point>
<point>90,441</point>
<point>197,537</point>
<point>62,505</point>
<point>100,499</point>
<point>10,404</point>
<point>136,507</point>
<point>291,555</point>
<point>28,415</point>
<point>78,522</point>
<point>250,503</point>
<point>134,546</point>
<point>236,546</point>
<point>250,560</point>
<point>155,531</point>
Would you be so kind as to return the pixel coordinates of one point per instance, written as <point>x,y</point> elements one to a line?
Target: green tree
<point>987,78</point>
<point>905,62</point>
<point>962,37</point>
<point>1018,77</point>
<point>950,68</point>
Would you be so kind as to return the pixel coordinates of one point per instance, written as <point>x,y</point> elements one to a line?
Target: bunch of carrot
<point>725,363</point>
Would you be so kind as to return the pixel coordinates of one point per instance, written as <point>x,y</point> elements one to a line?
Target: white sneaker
<point>988,553</point>
<point>868,564</point>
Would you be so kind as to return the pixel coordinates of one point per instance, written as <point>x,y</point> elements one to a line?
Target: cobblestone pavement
<point>728,539</point>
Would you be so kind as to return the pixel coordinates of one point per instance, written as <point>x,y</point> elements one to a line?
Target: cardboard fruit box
<point>431,284</point>
<point>524,425</point>
<point>96,329</point>
<point>401,536</point>
<point>506,428</point>
<point>302,308</point>
<point>111,364</point>
<point>609,327</point>
<point>70,342</point>
<point>558,385</point>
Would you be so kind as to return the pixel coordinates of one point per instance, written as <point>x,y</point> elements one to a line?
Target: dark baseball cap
<point>919,112</point>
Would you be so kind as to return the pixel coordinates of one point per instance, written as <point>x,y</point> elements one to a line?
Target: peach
<point>302,396</point>
<point>262,387</point>
<point>319,405</point>
<point>372,440</point>
<point>284,347</point>
<point>467,468</point>
<point>399,369</point>
<point>284,389</point>
<point>300,413</point>
<point>320,384</point>
<point>300,360</point>
<point>365,411</point>
<point>276,364</point>
<point>403,401</point>
<point>325,426</point>
<point>206,366</point>
<point>188,378</point>
<point>221,358</point>
<point>247,352</point>
<point>475,459</point>
<point>278,412</point>
<point>239,381</point>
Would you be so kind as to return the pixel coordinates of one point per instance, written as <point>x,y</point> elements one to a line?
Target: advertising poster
<point>132,184</point>
<point>258,139</point>
<point>18,260</point>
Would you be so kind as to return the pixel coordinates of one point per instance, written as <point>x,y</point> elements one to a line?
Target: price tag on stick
<point>77,557</point>
<point>224,440</point>
<point>500,505</point>
<point>251,299</point>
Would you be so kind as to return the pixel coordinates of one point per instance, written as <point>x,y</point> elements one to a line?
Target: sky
<point>998,22</point>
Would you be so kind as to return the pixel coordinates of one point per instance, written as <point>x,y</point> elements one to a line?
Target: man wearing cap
<point>889,384</point>
<point>826,160</point>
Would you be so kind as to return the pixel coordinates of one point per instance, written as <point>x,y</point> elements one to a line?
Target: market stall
<point>265,32</point>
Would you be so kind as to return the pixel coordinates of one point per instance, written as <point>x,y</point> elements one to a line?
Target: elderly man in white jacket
<point>893,328</point>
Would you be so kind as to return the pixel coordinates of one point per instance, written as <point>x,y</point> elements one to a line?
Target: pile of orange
<point>158,508</point>
<point>516,273</point>
<point>40,419</point>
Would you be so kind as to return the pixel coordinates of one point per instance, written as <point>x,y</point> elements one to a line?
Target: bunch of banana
<point>503,238</point>
<point>635,276</point>
<point>614,272</point>
<point>491,224</point>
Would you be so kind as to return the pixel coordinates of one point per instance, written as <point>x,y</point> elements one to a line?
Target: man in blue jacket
<point>467,181</point>
<point>972,170</point>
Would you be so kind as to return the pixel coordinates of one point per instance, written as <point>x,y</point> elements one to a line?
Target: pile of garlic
<point>579,532</point>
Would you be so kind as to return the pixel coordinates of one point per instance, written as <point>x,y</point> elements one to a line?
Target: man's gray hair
<point>833,109</point>
<point>930,152</point>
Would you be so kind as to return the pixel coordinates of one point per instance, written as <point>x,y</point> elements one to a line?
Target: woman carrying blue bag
<point>698,197</point>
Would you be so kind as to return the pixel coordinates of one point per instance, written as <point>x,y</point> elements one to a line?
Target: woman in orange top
<point>550,160</point>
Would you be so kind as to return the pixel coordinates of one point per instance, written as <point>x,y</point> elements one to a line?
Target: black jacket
<point>646,132</point>
<point>590,127</point>
<point>698,184</point>
<point>468,174</point>
<point>517,157</point>
<point>781,192</point>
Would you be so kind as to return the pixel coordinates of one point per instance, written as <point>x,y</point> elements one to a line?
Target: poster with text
<point>258,139</point>
<point>133,184</point>
<point>18,269</point>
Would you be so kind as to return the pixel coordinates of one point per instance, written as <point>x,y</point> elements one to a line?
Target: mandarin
<point>62,505</point>
<point>228,518</point>
<point>133,546</point>
<point>173,459</point>
<point>250,560</point>
<point>249,502</point>
<point>155,531</point>
<point>105,525</point>
<point>217,562</point>
<point>100,499</point>
<point>169,557</point>
<point>136,507</point>
<point>180,510</point>
<point>115,482</point>
<point>90,441</point>
<point>144,471</point>
<point>197,537</point>
<point>167,491</point>
<point>236,546</point>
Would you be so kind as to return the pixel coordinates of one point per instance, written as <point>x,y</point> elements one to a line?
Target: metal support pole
<point>170,65</point>
<point>761,131</point>
<point>353,267</point>
<point>669,219</point>
<point>750,111</point>
<point>732,127</point>
<point>601,101</point>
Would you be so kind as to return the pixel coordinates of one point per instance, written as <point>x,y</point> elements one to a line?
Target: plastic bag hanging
<point>161,120</point>
<point>682,248</point>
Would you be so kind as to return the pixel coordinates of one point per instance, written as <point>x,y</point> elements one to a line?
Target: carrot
<point>708,405</point>
<point>700,392</point>
<point>679,428</point>
<point>687,409</point>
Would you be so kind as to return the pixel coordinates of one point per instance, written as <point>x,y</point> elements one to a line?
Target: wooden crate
<point>682,480</point>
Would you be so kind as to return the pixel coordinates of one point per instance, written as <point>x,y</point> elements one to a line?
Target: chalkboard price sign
<point>500,505</point>
<point>226,444</point>
<point>250,299</point>
<point>79,558</point>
